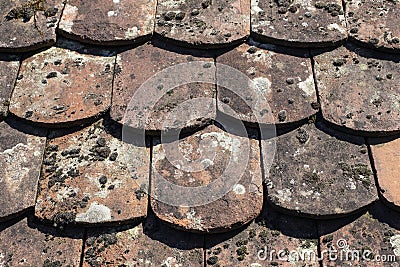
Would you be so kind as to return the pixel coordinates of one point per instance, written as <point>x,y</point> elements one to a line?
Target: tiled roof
<point>282,116</point>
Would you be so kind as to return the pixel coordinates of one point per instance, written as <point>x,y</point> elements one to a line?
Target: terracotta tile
<point>150,104</point>
<point>147,244</point>
<point>374,24</point>
<point>203,23</point>
<point>28,243</point>
<point>319,172</point>
<point>21,155</point>
<point>28,24</point>
<point>87,179</point>
<point>262,241</point>
<point>372,239</point>
<point>359,89</point>
<point>210,181</point>
<point>387,157</point>
<point>299,23</point>
<point>283,76</point>
<point>108,22</point>
<point>9,65</point>
<point>60,86</point>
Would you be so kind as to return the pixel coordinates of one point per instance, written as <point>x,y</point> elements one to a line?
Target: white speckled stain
<point>132,32</point>
<point>263,85</point>
<point>255,265</point>
<point>195,222</point>
<point>336,27</point>
<point>255,9</point>
<point>228,143</point>
<point>307,86</point>
<point>172,3</point>
<point>67,20</point>
<point>116,1</point>
<point>395,242</point>
<point>171,262</point>
<point>284,195</point>
<point>239,189</point>
<point>96,213</point>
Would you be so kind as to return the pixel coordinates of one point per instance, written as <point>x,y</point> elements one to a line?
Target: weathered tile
<point>319,172</point>
<point>273,240</point>
<point>9,66</point>
<point>387,158</point>
<point>359,89</point>
<point>28,243</point>
<point>88,177</point>
<point>283,76</point>
<point>21,156</point>
<point>203,23</point>
<point>375,23</point>
<point>146,98</point>
<point>28,24</point>
<point>299,23</point>
<point>107,22</point>
<point>210,181</point>
<point>147,244</point>
<point>372,239</point>
<point>59,86</point>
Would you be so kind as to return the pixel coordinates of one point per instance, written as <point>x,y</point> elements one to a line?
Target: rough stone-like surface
<point>59,85</point>
<point>284,77</point>
<point>28,243</point>
<point>28,24</point>
<point>205,23</point>
<point>299,23</point>
<point>359,89</point>
<point>157,101</point>
<point>375,23</point>
<point>374,237</point>
<point>271,233</point>
<point>20,159</point>
<point>387,163</point>
<point>9,66</point>
<point>147,244</point>
<point>319,172</point>
<point>108,22</point>
<point>225,166</point>
<point>86,177</point>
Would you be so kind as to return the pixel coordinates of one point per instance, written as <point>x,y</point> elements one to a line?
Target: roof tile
<point>359,89</point>
<point>20,159</point>
<point>158,101</point>
<point>387,158</point>
<point>261,242</point>
<point>147,244</point>
<point>283,75</point>
<point>86,177</point>
<point>203,23</point>
<point>375,235</point>
<point>107,22</point>
<point>28,24</point>
<point>375,24</point>
<point>28,243</point>
<point>9,65</point>
<point>227,181</point>
<point>299,23</point>
<point>319,172</point>
<point>60,86</point>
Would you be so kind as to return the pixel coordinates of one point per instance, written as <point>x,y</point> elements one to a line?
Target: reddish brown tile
<point>375,24</point>
<point>359,89</point>
<point>152,105</point>
<point>147,244</point>
<point>60,86</point>
<point>107,22</point>
<point>387,157</point>
<point>319,172</point>
<point>283,76</point>
<point>28,24</point>
<point>299,23</point>
<point>207,182</point>
<point>203,23</point>
<point>20,159</point>
<point>372,239</point>
<point>87,179</point>
<point>273,240</point>
<point>28,243</point>
<point>9,66</point>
